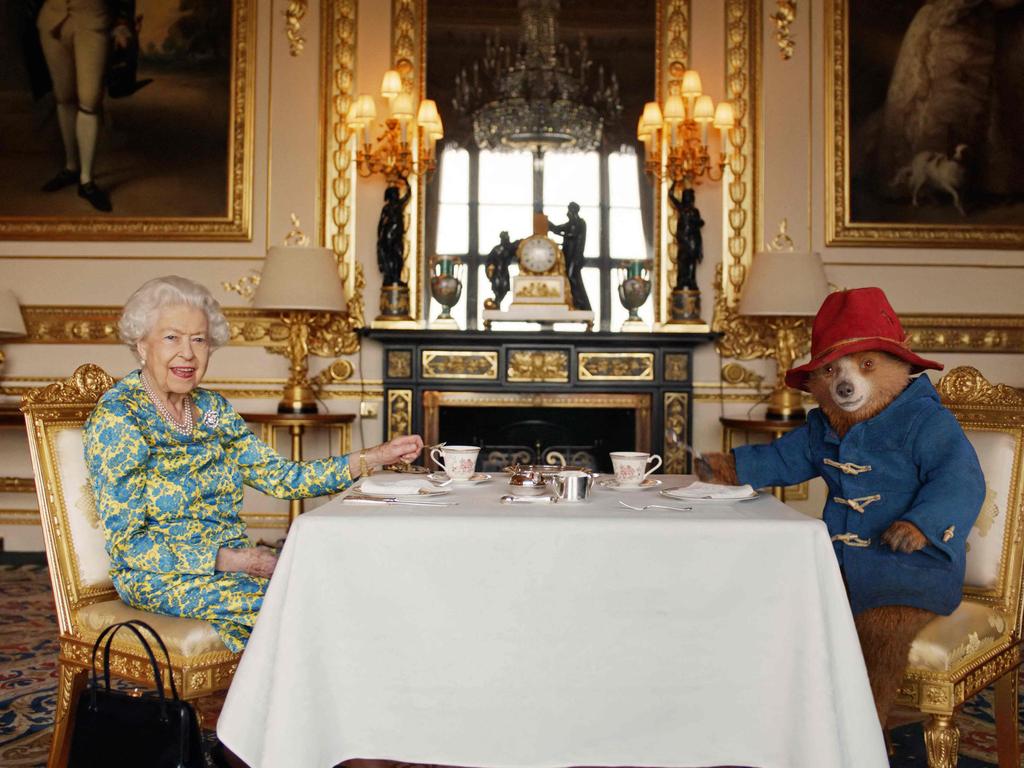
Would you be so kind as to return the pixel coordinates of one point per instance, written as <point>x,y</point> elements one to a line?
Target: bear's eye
<point>829,370</point>
<point>868,364</point>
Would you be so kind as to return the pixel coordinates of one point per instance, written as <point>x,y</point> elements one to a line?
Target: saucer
<point>613,485</point>
<point>474,479</point>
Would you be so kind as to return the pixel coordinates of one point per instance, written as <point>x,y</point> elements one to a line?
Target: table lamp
<point>303,284</point>
<point>785,286</point>
<point>12,325</point>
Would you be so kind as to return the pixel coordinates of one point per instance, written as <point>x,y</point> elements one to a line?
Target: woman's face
<point>177,349</point>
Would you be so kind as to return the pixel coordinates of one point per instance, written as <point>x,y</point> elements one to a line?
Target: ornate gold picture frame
<point>924,118</point>
<point>173,152</point>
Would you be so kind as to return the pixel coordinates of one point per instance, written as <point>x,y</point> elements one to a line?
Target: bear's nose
<point>844,389</point>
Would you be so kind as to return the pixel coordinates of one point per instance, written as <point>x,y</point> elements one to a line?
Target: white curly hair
<point>143,306</point>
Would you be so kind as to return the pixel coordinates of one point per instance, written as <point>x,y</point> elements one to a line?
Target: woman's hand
<point>255,561</point>
<point>405,448</point>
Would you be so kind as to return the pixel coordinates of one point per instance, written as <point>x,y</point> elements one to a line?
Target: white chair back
<point>78,562</point>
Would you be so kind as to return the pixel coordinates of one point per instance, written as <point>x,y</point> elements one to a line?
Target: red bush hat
<point>855,321</point>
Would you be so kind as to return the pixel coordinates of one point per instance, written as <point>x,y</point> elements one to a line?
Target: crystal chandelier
<point>537,94</point>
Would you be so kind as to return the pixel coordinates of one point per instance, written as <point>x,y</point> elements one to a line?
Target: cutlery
<point>528,499</point>
<point>654,506</point>
<point>398,500</point>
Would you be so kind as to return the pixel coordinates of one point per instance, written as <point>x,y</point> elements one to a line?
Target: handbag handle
<point>160,642</point>
<point>109,634</point>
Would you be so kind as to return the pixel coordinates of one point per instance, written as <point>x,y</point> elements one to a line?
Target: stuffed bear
<point>904,483</point>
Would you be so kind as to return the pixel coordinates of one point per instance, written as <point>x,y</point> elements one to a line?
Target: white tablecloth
<point>563,635</point>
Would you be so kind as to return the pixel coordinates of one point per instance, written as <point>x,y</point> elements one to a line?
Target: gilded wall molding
<point>408,56</point>
<point>745,337</point>
<point>671,58</point>
<point>783,18</point>
<point>743,89</point>
<point>338,182</point>
<point>293,16</point>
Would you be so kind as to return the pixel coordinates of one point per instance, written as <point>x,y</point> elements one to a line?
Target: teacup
<point>458,462</point>
<point>631,466</point>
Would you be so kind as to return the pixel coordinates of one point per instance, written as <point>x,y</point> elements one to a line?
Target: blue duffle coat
<point>910,462</point>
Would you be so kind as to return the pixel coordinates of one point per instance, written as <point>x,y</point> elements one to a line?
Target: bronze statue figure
<point>574,239</point>
<point>689,243</point>
<point>391,235</point>
<point>496,269</point>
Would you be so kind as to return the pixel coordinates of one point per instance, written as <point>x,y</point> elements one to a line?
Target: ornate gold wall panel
<point>677,432</point>
<point>399,364</point>
<point>745,337</point>
<point>538,365</point>
<point>338,183</point>
<point>399,412</point>
<point>293,16</point>
<point>447,364</point>
<point>408,47</point>
<point>743,88</point>
<point>676,367</point>
<point>616,366</point>
<point>672,57</point>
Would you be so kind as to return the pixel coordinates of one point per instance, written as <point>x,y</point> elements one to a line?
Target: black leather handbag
<point>119,728</point>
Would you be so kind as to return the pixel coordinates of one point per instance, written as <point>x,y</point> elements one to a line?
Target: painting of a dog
<point>928,111</point>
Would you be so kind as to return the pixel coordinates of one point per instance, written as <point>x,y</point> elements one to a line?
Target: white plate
<point>401,493</point>
<point>474,479</point>
<point>668,494</point>
<point>613,485</point>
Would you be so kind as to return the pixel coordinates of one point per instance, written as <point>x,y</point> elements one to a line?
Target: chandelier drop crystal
<point>537,94</point>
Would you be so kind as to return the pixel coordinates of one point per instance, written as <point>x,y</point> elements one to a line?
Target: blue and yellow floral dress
<point>169,501</point>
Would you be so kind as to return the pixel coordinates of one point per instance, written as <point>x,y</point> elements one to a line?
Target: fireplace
<point>525,428</point>
<point>522,394</point>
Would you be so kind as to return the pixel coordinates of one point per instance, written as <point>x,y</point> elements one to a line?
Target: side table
<point>732,427</point>
<point>296,424</point>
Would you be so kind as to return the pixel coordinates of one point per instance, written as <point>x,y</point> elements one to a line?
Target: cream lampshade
<point>785,286</point>
<point>297,277</point>
<point>303,284</point>
<point>12,325</point>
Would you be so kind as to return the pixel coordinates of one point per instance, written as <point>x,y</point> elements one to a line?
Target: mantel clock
<point>542,277</point>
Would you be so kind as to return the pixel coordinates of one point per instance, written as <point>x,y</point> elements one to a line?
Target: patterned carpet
<point>28,682</point>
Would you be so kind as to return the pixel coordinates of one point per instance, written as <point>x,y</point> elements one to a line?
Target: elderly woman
<point>168,460</point>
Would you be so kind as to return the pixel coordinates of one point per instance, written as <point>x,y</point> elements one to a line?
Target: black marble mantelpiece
<point>430,372</point>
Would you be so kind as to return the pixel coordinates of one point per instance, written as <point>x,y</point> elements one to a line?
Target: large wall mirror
<point>481,188</point>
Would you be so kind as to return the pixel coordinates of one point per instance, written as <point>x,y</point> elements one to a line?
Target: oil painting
<point>125,119</point>
<point>926,118</point>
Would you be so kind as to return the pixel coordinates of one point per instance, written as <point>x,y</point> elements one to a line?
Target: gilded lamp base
<point>297,398</point>
<point>785,404</point>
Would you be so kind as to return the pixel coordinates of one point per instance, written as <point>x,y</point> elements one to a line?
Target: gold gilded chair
<point>956,656</point>
<point>79,566</point>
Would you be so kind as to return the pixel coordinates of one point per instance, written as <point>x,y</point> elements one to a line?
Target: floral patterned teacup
<point>458,462</point>
<point>631,466</point>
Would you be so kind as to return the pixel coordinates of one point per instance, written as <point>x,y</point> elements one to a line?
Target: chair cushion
<point>947,641</point>
<point>183,637</point>
<point>996,453</point>
<point>80,508</point>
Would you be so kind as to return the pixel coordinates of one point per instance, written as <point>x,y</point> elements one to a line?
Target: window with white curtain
<point>482,193</point>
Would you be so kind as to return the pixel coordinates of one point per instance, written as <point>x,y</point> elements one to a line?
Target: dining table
<point>541,635</point>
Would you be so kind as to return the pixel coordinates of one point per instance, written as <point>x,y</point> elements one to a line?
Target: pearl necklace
<point>184,428</point>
